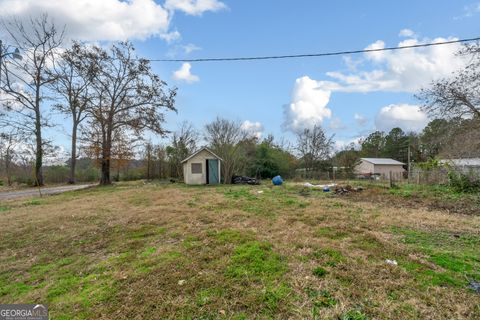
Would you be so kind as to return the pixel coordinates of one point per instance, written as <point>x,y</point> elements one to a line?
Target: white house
<point>465,165</point>
<point>379,166</point>
<point>202,167</point>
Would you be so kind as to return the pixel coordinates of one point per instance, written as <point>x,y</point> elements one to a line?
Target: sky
<point>349,96</point>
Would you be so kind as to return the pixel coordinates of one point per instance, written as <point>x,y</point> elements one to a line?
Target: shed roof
<point>200,150</point>
<point>464,162</point>
<point>387,161</point>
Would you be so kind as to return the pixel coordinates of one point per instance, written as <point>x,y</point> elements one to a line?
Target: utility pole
<point>1,58</point>
<point>408,156</point>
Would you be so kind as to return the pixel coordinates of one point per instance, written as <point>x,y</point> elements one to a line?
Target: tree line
<point>112,98</point>
<point>110,95</point>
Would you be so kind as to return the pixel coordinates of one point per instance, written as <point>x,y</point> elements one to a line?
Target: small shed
<point>379,166</point>
<point>202,167</point>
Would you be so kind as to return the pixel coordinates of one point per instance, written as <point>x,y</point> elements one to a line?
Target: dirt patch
<point>413,201</point>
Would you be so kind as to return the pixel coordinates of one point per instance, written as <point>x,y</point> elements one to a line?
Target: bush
<point>462,182</point>
<point>319,272</point>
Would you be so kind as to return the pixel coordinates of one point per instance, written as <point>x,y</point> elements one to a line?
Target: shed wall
<point>198,178</point>
<point>385,169</point>
<point>364,167</point>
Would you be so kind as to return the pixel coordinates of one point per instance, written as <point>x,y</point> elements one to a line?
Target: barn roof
<point>386,161</point>
<point>200,150</point>
<point>465,162</point>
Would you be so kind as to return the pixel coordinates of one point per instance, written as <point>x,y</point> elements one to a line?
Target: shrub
<point>319,272</point>
<point>462,182</point>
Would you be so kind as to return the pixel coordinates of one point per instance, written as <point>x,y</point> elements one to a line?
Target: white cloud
<point>96,20</point>
<point>308,106</point>
<point>110,20</point>
<point>337,124</point>
<point>343,144</point>
<point>469,11</point>
<point>405,70</point>
<point>360,119</point>
<point>407,33</point>
<point>195,7</point>
<point>184,74</point>
<point>189,48</point>
<point>254,129</point>
<point>408,117</point>
<point>171,36</point>
<point>180,49</point>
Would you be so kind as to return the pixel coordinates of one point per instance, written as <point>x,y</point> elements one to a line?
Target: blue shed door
<point>213,177</point>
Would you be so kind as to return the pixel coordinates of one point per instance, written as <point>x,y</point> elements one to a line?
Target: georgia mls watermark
<point>23,312</point>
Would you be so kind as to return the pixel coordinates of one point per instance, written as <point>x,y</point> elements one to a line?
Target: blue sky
<point>348,96</point>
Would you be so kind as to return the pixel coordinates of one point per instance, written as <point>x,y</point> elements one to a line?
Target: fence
<point>435,176</point>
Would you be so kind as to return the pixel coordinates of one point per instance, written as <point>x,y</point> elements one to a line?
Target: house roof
<point>386,161</point>
<point>200,150</point>
<point>465,162</point>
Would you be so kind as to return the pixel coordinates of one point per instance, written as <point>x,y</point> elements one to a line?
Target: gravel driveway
<point>45,191</point>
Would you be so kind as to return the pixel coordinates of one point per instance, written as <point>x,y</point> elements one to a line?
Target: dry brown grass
<point>120,252</point>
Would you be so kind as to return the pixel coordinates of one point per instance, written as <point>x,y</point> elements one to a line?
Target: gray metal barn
<point>379,166</point>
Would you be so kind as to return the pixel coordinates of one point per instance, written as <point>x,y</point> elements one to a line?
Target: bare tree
<point>10,140</point>
<point>24,81</point>
<point>73,80</point>
<point>122,152</point>
<point>459,95</point>
<point>148,157</point>
<point>183,143</point>
<point>126,94</point>
<point>161,155</point>
<point>225,137</point>
<point>313,145</point>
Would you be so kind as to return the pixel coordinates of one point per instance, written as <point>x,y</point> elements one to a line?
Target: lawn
<point>160,251</point>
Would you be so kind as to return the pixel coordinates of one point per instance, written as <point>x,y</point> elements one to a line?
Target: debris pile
<point>347,189</point>
<point>244,180</point>
<point>391,262</point>
<point>474,285</point>
<point>319,186</point>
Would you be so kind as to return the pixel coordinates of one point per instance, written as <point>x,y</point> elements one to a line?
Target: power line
<point>324,54</point>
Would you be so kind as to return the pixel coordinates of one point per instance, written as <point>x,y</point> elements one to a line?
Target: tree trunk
<point>106,152</point>
<point>73,159</point>
<point>105,177</point>
<point>7,167</point>
<point>39,151</point>
<point>148,166</point>
<point>38,135</point>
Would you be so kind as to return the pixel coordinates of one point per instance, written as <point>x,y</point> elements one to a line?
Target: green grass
<point>240,254</point>
<point>321,298</point>
<point>332,233</point>
<point>432,191</point>
<point>34,202</point>
<point>267,203</point>
<point>255,260</point>
<point>231,236</point>
<point>353,315</point>
<point>457,254</point>
<point>319,272</point>
<point>256,263</point>
<point>330,257</point>
<point>140,200</point>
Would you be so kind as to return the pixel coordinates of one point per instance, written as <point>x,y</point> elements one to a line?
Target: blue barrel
<point>277,180</point>
<point>326,189</point>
